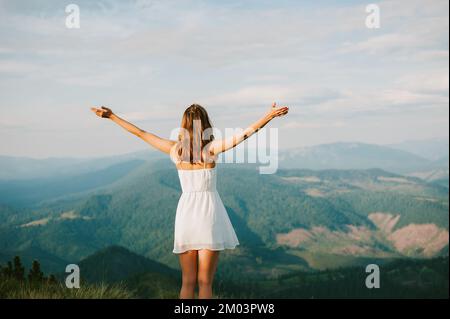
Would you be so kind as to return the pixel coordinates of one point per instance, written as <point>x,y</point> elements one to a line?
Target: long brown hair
<point>195,134</point>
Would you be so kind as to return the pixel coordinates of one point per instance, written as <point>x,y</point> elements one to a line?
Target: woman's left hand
<point>277,111</point>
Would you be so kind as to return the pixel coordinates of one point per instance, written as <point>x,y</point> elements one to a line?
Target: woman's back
<point>195,166</point>
<point>198,180</point>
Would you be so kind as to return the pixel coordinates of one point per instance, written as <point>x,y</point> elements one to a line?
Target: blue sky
<point>149,60</point>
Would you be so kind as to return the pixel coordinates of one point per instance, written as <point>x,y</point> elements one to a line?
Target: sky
<point>148,60</point>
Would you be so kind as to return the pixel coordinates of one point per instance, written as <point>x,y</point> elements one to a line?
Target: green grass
<point>13,289</point>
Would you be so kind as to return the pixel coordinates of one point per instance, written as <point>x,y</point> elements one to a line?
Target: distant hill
<point>432,149</point>
<point>444,182</point>
<point>27,192</point>
<point>437,170</point>
<point>10,216</point>
<point>441,162</point>
<point>25,168</point>
<point>351,156</point>
<point>144,277</point>
<point>115,263</point>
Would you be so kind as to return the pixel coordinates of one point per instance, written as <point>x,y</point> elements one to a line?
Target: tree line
<point>14,269</point>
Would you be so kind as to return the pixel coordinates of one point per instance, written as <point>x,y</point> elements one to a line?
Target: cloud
<point>386,102</point>
<point>405,95</point>
<point>152,113</point>
<point>387,43</point>
<point>249,96</point>
<point>431,56</point>
<point>266,94</point>
<point>427,82</point>
<point>153,58</point>
<point>13,67</point>
<point>313,125</point>
<point>407,29</point>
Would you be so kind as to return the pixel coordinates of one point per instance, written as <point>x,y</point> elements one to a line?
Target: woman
<point>202,226</point>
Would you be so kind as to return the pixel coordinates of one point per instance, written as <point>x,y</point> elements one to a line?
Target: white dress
<point>201,221</point>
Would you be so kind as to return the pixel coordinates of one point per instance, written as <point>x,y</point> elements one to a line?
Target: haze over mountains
<point>24,168</point>
<point>406,157</point>
<point>24,181</point>
<point>432,149</point>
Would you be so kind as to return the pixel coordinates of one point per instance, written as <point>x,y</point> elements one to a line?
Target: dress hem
<point>208,247</point>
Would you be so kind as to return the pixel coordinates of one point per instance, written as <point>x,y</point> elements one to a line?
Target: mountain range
<point>297,220</point>
<point>431,149</point>
<point>403,158</point>
<point>360,156</point>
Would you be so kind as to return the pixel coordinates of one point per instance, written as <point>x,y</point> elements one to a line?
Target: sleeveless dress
<point>201,220</point>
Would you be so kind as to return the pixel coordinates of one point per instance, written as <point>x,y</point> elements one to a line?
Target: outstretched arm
<point>219,146</point>
<point>157,142</point>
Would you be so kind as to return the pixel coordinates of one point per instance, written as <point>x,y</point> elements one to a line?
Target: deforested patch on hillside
<point>314,192</point>
<point>413,240</point>
<point>426,240</point>
<point>39,222</point>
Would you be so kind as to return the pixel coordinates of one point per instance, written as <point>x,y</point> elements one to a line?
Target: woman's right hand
<point>103,112</point>
<point>277,111</point>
